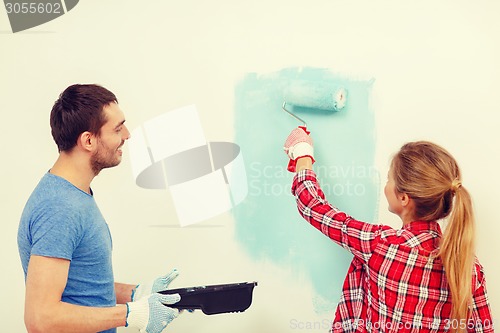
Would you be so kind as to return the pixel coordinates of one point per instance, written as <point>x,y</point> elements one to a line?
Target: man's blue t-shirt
<point>61,221</point>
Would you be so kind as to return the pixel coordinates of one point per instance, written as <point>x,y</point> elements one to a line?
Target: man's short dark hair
<point>78,109</point>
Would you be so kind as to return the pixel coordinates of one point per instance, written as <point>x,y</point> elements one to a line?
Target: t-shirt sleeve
<point>55,233</point>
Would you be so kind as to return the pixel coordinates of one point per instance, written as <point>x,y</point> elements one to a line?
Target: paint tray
<point>214,299</point>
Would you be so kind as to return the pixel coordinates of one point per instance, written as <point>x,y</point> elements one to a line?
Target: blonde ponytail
<point>457,253</point>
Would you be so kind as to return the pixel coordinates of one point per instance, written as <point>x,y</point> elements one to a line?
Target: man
<point>64,241</point>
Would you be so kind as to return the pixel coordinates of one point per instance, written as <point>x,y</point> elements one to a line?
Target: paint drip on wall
<point>268,225</point>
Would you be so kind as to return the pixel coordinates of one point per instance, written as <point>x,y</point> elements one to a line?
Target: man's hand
<point>159,284</point>
<point>150,315</point>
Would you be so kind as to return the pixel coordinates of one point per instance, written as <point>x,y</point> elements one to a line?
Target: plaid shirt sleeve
<point>480,313</point>
<point>358,237</point>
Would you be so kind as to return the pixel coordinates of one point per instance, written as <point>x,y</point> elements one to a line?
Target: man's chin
<point>98,169</point>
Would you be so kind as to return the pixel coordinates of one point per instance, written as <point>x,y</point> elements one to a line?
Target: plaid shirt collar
<point>429,233</point>
<point>417,227</point>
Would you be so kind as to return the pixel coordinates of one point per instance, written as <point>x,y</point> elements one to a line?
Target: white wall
<point>436,69</point>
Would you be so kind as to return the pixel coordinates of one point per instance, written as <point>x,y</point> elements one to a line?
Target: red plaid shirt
<point>395,283</point>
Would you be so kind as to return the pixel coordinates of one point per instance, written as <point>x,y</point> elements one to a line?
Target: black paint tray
<point>214,299</point>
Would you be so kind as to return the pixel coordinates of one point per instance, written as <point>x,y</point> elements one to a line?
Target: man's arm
<point>124,292</point>
<point>45,312</point>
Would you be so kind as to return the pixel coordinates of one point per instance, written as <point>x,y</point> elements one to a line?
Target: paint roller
<point>312,96</point>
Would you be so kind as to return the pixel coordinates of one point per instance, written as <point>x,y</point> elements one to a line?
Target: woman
<point>414,279</point>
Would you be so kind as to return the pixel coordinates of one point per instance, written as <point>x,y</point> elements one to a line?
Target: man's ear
<point>87,141</point>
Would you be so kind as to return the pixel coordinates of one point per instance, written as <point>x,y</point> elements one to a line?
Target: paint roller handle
<point>297,145</point>
<point>305,129</point>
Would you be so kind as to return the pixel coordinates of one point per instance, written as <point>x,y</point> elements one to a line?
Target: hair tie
<point>456,184</point>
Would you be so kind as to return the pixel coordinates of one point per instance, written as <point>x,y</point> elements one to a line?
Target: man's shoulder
<point>54,199</point>
<point>54,190</point>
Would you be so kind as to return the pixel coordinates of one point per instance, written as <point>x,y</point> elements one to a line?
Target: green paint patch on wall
<point>268,225</point>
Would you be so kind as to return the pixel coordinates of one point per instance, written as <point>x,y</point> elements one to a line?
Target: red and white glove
<point>298,144</point>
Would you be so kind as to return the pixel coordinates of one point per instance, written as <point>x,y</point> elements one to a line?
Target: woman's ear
<point>404,199</point>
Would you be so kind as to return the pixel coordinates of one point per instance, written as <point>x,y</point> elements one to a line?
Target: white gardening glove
<point>154,286</point>
<point>298,144</point>
<point>150,315</point>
